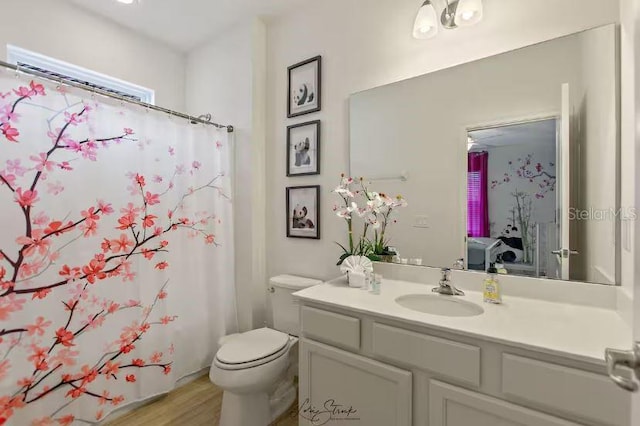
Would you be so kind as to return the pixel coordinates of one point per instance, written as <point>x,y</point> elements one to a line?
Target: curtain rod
<point>88,88</point>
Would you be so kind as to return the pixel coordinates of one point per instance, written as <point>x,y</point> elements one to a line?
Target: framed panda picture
<point>305,83</point>
<point>303,149</point>
<point>303,212</point>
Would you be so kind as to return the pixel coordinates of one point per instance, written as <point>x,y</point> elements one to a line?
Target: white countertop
<point>573,331</point>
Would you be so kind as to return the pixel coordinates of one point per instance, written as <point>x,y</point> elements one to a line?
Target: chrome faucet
<point>446,287</point>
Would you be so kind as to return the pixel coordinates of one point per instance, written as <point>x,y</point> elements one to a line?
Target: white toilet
<point>256,369</point>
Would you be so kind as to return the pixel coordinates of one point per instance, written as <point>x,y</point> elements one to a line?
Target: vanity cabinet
<point>336,386</point>
<point>394,373</point>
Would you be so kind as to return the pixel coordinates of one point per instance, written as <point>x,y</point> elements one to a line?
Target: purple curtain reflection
<point>477,200</point>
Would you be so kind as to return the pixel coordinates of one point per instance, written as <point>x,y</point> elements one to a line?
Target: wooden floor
<point>195,404</point>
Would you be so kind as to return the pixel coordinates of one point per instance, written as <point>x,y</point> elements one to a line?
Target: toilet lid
<point>252,345</point>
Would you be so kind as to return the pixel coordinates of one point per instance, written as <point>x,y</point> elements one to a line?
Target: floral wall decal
<point>528,169</point>
<point>522,192</point>
<point>93,200</point>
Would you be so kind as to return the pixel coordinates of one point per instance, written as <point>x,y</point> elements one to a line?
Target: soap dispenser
<point>491,286</point>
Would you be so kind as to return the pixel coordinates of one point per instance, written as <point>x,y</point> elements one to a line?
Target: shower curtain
<point>116,252</point>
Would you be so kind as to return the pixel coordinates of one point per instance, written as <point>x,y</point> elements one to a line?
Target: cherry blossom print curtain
<point>116,252</point>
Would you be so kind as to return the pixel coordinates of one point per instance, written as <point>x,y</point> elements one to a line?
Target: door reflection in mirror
<point>511,197</point>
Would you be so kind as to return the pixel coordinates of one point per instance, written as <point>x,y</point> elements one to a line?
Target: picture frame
<point>303,149</point>
<point>303,212</point>
<point>304,87</point>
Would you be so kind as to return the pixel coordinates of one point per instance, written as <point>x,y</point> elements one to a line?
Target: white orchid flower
<point>375,224</point>
<point>344,213</point>
<point>375,203</point>
<point>344,191</point>
<point>372,220</point>
<point>376,213</point>
<point>346,181</point>
<point>386,200</point>
<point>362,212</point>
<point>399,202</point>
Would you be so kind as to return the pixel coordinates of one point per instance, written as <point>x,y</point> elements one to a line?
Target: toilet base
<point>259,409</point>
<point>245,410</point>
<point>282,399</point>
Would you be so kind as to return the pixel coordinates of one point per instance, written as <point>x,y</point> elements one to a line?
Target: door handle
<point>628,359</point>
<point>565,253</point>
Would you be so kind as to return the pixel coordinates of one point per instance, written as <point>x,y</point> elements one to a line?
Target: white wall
<point>598,159</point>
<point>63,31</point>
<point>225,78</point>
<point>629,98</point>
<point>630,14</point>
<point>367,44</point>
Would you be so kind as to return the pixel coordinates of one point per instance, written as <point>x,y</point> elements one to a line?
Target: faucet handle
<point>446,287</point>
<point>445,273</point>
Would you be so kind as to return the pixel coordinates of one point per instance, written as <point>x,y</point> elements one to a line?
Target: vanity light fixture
<point>126,1</point>
<point>456,13</point>
<point>426,25</point>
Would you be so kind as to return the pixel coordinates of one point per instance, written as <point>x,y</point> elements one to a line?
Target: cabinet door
<point>453,406</point>
<point>338,387</point>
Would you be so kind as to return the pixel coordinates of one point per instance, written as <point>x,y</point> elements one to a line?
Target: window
<point>57,69</point>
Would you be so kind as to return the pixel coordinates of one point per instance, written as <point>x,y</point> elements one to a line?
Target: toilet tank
<point>284,309</point>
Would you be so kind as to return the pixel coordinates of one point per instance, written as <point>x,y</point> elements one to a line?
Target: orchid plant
<point>376,214</point>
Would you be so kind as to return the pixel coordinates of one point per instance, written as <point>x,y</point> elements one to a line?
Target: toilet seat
<point>252,349</point>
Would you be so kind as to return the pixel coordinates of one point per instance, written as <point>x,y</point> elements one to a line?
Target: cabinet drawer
<point>329,327</point>
<point>447,358</point>
<point>576,392</point>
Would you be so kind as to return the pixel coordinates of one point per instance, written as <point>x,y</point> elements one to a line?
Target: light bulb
<point>467,15</point>
<point>468,12</point>
<point>126,1</point>
<point>426,24</point>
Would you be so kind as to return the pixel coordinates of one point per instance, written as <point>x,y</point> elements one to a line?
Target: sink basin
<point>449,306</point>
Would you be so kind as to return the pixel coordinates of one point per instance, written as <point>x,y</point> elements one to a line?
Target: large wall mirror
<point>512,159</point>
